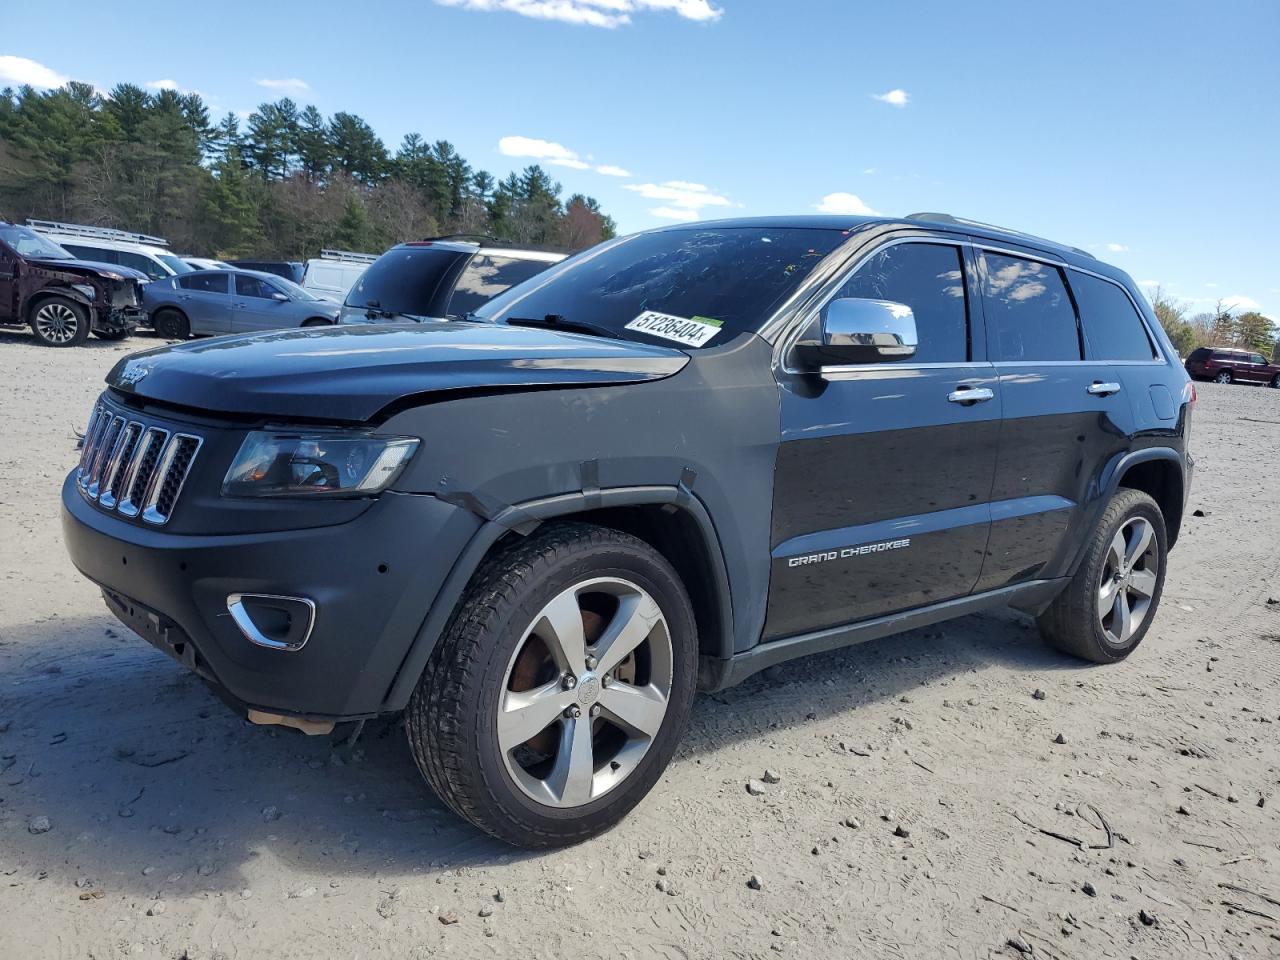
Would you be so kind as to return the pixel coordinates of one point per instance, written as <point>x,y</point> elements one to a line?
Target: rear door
<point>206,300</point>
<point>883,479</point>
<point>1065,415</point>
<point>8,283</point>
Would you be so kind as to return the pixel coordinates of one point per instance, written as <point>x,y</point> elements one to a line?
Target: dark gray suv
<point>659,466</point>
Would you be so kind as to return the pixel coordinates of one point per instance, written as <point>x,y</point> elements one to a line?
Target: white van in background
<point>335,272</point>
<point>151,255</point>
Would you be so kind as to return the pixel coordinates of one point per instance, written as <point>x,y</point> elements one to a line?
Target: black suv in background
<point>438,279</point>
<point>61,298</point>
<point>669,462</point>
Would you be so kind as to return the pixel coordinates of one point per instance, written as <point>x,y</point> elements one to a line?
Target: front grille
<point>134,468</point>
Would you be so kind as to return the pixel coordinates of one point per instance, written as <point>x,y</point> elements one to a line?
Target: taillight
<point>1189,393</point>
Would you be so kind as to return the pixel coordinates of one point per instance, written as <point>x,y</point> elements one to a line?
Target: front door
<point>255,306</point>
<point>883,481</point>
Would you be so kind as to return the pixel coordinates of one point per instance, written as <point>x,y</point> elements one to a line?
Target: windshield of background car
<point>28,243</point>
<point>700,286</point>
<point>176,264</point>
<point>405,280</point>
<point>294,291</point>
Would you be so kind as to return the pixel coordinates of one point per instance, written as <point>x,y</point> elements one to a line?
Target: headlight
<point>272,464</point>
<point>85,290</point>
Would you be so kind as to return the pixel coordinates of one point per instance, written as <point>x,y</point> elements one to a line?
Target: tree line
<point>286,183</point>
<point>1219,327</point>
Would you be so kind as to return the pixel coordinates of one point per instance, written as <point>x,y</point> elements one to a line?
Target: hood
<point>351,372</point>
<point>90,267</point>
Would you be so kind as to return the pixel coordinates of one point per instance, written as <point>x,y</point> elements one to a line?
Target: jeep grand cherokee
<point>662,465</point>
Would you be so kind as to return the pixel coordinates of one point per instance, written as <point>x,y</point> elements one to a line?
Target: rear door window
<point>1029,313</point>
<point>204,282</point>
<point>485,277</point>
<point>1113,329</point>
<point>928,278</point>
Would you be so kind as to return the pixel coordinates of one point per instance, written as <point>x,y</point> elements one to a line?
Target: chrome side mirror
<point>861,331</point>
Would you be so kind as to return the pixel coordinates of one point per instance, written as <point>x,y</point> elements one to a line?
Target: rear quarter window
<point>1113,329</point>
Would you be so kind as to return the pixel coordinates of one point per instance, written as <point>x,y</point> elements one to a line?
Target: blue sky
<point>1147,132</point>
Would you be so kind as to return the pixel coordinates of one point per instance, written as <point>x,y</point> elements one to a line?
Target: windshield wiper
<point>555,321</point>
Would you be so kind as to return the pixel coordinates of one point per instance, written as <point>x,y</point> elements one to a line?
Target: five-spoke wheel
<point>585,692</point>
<point>557,695</point>
<point>1128,580</point>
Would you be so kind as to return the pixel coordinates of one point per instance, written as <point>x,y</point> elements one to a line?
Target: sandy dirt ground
<point>919,785</point>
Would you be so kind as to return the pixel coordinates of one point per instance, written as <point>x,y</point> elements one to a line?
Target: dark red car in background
<point>1228,365</point>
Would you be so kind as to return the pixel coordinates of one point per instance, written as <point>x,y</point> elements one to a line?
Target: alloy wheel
<point>1129,578</point>
<point>57,323</point>
<point>585,692</point>
<point>1223,377</point>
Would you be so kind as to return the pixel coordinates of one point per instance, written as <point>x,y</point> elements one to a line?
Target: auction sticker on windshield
<point>691,332</point>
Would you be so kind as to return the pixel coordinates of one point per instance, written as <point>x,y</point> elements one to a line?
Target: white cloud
<point>21,72</point>
<point>1117,248</point>
<point>169,85</point>
<point>869,171</point>
<point>1211,286</point>
<point>547,150</point>
<point>1240,302</point>
<point>674,213</point>
<point>607,14</point>
<point>679,195</point>
<point>285,85</point>
<point>611,171</point>
<point>846,204</point>
<point>895,98</point>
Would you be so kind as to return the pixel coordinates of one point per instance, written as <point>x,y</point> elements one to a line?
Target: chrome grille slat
<point>133,468</point>
<point>170,475</point>
<point>139,479</point>
<point>110,436</point>
<point>113,476</point>
<point>92,437</point>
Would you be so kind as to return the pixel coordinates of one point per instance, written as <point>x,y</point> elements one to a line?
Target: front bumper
<point>112,319</point>
<point>372,579</point>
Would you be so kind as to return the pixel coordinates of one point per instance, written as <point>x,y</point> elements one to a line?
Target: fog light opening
<point>274,622</point>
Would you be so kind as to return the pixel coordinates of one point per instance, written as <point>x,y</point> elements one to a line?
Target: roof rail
<point>962,222</point>
<point>101,233</point>
<point>350,256</point>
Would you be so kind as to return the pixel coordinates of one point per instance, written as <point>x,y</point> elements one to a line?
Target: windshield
<point>294,291</point>
<point>176,264</point>
<point>695,286</point>
<point>28,243</point>
<point>406,280</point>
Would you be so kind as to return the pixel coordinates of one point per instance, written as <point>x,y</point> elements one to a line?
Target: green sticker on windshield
<point>708,320</point>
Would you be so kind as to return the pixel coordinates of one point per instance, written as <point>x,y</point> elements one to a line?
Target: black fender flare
<point>1109,483</point>
<point>524,518</point>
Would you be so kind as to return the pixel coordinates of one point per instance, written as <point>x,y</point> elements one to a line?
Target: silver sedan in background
<point>212,302</point>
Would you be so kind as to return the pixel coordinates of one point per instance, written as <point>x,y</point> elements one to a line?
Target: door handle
<point>970,395</point>
<point>1100,389</point>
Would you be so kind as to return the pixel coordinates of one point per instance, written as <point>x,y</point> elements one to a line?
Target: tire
<point>171,324</point>
<point>493,651</point>
<point>1223,376</point>
<point>112,334</point>
<point>1275,382</point>
<point>317,322</point>
<point>1075,622</point>
<point>60,322</point>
